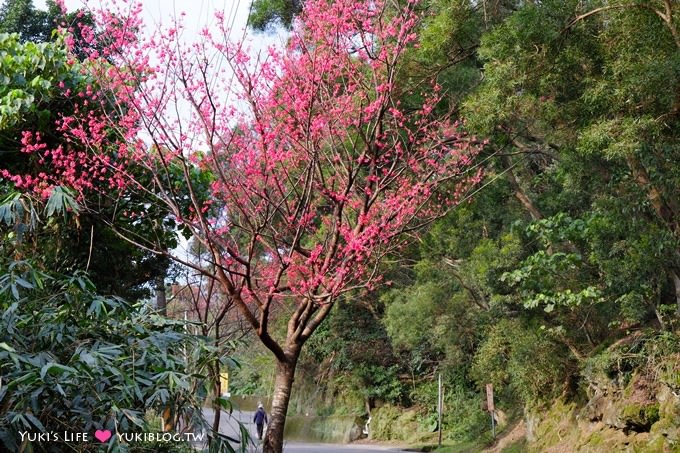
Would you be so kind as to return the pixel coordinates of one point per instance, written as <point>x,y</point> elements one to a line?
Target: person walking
<point>260,418</point>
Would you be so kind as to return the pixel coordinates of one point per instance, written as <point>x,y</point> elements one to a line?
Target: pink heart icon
<point>102,435</point>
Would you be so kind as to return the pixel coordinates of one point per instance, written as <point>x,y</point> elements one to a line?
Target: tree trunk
<point>283,383</point>
<point>217,389</point>
<point>654,195</point>
<point>217,383</point>
<point>161,300</point>
<point>519,193</point>
<point>676,286</point>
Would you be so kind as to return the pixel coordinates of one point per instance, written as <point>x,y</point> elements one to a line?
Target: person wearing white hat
<point>260,418</point>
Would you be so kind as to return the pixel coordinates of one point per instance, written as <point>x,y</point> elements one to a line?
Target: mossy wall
<point>334,429</point>
<point>392,423</point>
<point>617,424</point>
<point>628,400</point>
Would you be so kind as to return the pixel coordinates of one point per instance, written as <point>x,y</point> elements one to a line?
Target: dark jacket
<point>260,417</point>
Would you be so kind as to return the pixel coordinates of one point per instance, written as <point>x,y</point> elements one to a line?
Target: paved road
<point>229,426</point>
<point>331,448</point>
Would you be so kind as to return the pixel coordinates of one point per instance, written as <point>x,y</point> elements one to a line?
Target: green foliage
<point>255,375</point>
<point>645,352</point>
<point>29,73</point>
<point>641,416</point>
<point>353,342</point>
<point>380,383</point>
<point>267,14</point>
<point>412,314</point>
<point>389,422</point>
<point>573,238</point>
<point>20,16</point>
<point>31,97</point>
<point>463,417</point>
<point>73,360</point>
<point>521,362</point>
<point>61,201</point>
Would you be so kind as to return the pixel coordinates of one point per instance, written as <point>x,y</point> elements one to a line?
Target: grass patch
<point>519,446</point>
<point>459,447</point>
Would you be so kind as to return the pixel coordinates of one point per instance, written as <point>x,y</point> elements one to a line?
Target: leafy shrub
<point>653,353</point>
<point>521,362</point>
<point>73,360</point>
<point>463,417</point>
<point>380,383</point>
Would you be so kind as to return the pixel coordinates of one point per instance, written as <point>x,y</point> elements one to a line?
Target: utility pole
<point>440,408</point>
<point>491,408</point>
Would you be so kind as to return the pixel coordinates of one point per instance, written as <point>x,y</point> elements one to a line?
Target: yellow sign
<point>224,383</point>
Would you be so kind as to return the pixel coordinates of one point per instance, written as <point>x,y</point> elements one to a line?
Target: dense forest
<point>555,278</point>
<point>559,278</point>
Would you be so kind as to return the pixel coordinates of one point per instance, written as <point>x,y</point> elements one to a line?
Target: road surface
<point>229,426</point>
<point>333,448</point>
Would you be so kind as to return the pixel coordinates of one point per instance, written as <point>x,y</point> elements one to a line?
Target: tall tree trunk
<point>161,300</point>
<point>655,197</point>
<point>676,286</point>
<point>517,188</point>
<point>283,383</point>
<point>217,389</point>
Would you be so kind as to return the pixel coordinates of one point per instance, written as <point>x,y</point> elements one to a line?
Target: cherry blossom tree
<point>297,170</point>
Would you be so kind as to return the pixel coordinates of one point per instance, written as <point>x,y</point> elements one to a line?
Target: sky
<point>198,14</point>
